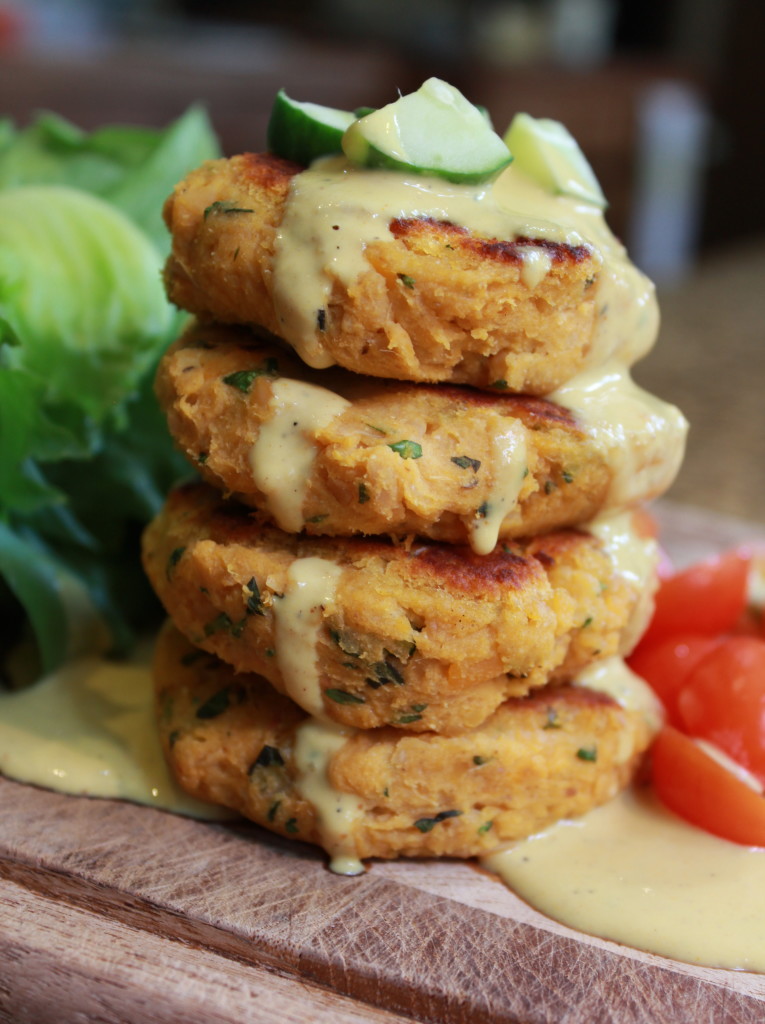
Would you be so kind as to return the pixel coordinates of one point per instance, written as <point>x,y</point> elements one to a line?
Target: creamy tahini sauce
<point>508,469</point>
<point>641,438</point>
<point>614,677</point>
<point>298,615</point>
<point>283,455</point>
<point>89,729</point>
<point>636,559</point>
<point>335,210</point>
<point>315,745</point>
<point>637,874</point>
<point>633,872</point>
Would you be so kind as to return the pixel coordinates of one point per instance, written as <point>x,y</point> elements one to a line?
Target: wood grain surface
<point>111,912</point>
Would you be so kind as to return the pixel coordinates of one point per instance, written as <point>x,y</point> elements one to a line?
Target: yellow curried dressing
<point>641,438</point>
<point>636,559</point>
<point>614,677</point>
<point>298,615</point>
<point>508,471</point>
<point>315,745</point>
<point>335,210</point>
<point>636,874</point>
<point>89,729</point>
<point>282,457</point>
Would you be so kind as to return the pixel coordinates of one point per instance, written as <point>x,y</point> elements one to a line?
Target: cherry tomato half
<point>696,787</point>
<point>723,700</point>
<point>706,598</point>
<point>665,666</point>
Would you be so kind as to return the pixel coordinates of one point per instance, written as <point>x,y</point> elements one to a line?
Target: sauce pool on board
<point>634,873</point>
<point>88,729</point>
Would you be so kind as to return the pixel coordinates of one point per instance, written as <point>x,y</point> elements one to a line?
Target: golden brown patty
<point>233,740</point>
<point>397,459</point>
<point>429,638</point>
<point>432,301</point>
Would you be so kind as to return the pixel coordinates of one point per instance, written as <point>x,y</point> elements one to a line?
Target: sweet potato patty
<point>432,637</point>
<point>231,739</point>
<point>397,459</point>
<point>430,300</point>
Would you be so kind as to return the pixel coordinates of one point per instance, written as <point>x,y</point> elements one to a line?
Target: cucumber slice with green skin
<point>548,153</point>
<point>433,131</point>
<point>304,131</point>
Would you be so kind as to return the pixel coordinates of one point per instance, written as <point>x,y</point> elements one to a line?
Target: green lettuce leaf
<point>85,458</point>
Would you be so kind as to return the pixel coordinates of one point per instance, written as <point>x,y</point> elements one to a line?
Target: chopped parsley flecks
<point>587,622</point>
<point>479,760</point>
<point>318,518</point>
<point>223,623</point>
<point>549,486</point>
<point>377,430</point>
<point>500,385</point>
<point>242,380</point>
<point>385,673</point>
<point>269,757</point>
<point>407,449</point>
<point>273,809</point>
<point>483,510</point>
<point>254,605</point>
<point>343,697</point>
<point>587,753</point>
<point>223,206</point>
<point>553,720</point>
<point>363,493</point>
<point>291,826</point>
<point>465,462</point>
<point>413,715</point>
<point>567,477</point>
<point>202,458</point>
<point>347,643</point>
<point>406,280</point>
<point>173,738</point>
<point>175,556</point>
<point>426,824</point>
<point>215,705</point>
<point>321,319</point>
<point>483,829</point>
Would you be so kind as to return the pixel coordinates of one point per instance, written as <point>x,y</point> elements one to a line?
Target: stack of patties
<point>400,598</point>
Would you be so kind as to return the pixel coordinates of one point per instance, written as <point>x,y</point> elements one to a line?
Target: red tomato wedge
<point>707,598</point>
<point>666,665</point>
<point>693,785</point>
<point>723,700</point>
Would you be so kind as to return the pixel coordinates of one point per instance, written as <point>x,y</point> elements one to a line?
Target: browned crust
<point>439,495</point>
<point>462,632</point>
<point>499,250</point>
<point>514,775</point>
<point>471,318</point>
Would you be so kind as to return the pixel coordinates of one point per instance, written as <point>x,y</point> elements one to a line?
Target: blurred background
<point>666,97</point>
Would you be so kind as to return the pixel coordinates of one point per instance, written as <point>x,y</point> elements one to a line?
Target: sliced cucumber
<point>434,130</point>
<point>547,152</point>
<point>304,131</point>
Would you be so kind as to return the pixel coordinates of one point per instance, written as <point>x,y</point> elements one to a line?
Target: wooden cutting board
<point>115,913</point>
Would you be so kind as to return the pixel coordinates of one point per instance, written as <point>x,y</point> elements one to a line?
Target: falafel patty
<point>421,299</point>
<point>231,739</point>
<point>337,454</point>
<point>367,633</point>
